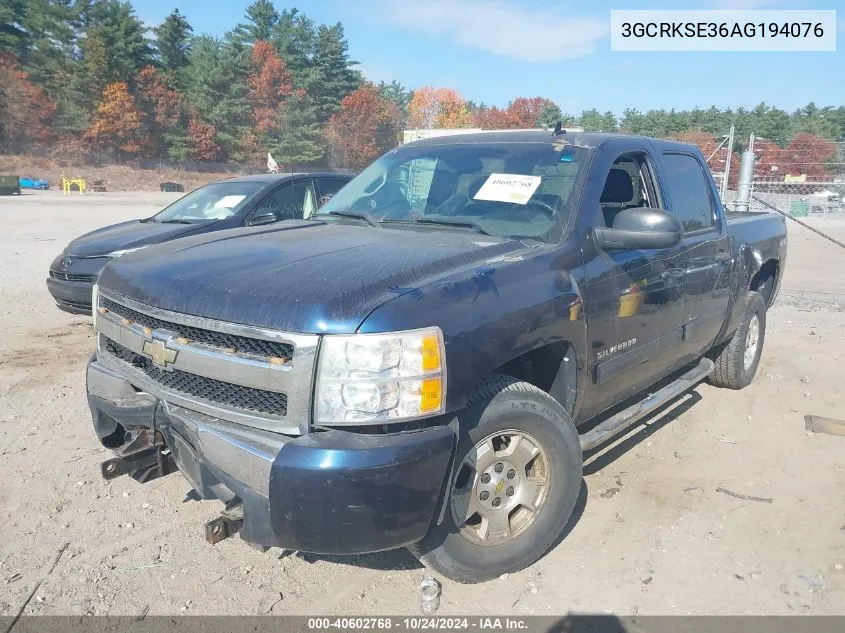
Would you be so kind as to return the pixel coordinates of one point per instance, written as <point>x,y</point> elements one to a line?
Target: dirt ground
<point>653,535</point>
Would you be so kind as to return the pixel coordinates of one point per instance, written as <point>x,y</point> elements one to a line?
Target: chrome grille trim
<point>217,392</point>
<point>212,338</point>
<point>293,378</point>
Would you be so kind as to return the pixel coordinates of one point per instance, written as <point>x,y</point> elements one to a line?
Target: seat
<point>617,193</point>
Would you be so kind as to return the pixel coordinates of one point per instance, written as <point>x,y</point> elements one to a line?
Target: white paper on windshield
<point>229,202</point>
<point>508,188</point>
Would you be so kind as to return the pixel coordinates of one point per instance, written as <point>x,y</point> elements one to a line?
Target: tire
<point>733,370</point>
<point>527,418</point>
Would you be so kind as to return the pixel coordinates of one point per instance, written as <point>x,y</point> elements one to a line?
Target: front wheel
<point>517,478</point>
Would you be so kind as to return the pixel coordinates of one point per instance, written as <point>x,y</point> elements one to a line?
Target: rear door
<point>292,201</point>
<point>706,243</point>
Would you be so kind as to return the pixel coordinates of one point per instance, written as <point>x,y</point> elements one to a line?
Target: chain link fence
<point>812,184</point>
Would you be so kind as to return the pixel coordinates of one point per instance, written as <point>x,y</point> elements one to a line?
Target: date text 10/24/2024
<point>417,624</point>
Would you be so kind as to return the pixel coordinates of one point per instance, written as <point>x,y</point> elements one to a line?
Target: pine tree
<point>591,120</point>
<point>397,93</point>
<point>14,36</point>
<point>293,38</point>
<point>333,76</point>
<point>217,90</point>
<point>173,42</point>
<point>262,19</point>
<point>300,141</point>
<point>550,115</point>
<point>116,38</point>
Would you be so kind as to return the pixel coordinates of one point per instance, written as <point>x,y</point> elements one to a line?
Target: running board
<point>627,417</point>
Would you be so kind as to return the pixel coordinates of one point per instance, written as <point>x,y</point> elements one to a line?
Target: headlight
<point>378,378</point>
<point>95,304</point>
<point>124,251</point>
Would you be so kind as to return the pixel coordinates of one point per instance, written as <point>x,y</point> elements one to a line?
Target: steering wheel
<point>543,206</point>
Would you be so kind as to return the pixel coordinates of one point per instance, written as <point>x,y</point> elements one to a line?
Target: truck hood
<point>128,235</point>
<point>301,277</point>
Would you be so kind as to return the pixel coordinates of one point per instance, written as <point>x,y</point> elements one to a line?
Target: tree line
<point>77,75</point>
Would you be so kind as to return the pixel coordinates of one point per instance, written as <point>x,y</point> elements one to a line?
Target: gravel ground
<point>653,535</point>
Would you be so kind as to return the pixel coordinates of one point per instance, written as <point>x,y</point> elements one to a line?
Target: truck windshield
<point>516,190</point>
<point>217,201</point>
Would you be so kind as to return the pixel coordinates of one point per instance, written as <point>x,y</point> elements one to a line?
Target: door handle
<point>722,257</point>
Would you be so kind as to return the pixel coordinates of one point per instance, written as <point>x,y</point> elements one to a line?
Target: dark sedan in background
<point>236,202</point>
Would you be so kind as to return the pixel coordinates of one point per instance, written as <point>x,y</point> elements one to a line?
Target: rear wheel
<point>515,484</point>
<point>737,361</point>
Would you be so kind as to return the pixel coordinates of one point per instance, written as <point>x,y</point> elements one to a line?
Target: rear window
<point>689,191</point>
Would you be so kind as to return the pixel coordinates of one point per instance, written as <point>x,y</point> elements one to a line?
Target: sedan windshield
<point>517,190</point>
<point>217,201</point>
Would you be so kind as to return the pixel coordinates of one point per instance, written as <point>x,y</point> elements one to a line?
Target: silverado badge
<point>158,352</point>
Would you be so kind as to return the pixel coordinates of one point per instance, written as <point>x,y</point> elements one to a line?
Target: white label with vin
<point>513,188</point>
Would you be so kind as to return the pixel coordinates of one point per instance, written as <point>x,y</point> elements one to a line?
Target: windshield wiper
<point>177,221</point>
<point>450,221</point>
<point>349,213</point>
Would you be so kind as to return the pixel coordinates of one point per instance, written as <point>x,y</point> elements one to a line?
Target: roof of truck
<point>271,178</point>
<point>581,139</point>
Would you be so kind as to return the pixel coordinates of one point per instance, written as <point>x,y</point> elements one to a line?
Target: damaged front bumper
<point>329,492</point>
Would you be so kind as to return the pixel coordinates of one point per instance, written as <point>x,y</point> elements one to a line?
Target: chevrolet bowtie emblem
<point>158,352</point>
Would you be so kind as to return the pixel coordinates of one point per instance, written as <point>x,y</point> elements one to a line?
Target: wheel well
<point>764,281</point>
<point>551,368</point>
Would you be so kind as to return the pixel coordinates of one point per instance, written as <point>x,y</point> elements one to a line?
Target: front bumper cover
<point>74,296</point>
<point>331,492</point>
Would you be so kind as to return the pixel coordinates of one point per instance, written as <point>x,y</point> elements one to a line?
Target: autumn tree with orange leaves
<point>497,119</point>
<point>365,126</point>
<point>707,143</point>
<point>269,87</point>
<point>810,154</point>
<point>527,111</point>
<point>438,108</point>
<point>162,111</point>
<point>117,121</point>
<point>202,140</point>
<point>26,113</point>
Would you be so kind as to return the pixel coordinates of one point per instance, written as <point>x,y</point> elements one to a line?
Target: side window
<point>328,187</point>
<point>628,184</point>
<point>689,191</point>
<point>292,202</point>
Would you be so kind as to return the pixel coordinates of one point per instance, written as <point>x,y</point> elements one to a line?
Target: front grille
<point>242,344</point>
<point>71,277</point>
<point>215,391</point>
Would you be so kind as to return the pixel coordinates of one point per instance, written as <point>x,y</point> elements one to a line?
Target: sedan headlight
<point>378,378</point>
<point>125,251</point>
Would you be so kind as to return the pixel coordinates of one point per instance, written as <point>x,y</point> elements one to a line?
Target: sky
<point>492,51</point>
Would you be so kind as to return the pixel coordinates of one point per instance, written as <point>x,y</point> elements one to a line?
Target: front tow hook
<point>144,459</point>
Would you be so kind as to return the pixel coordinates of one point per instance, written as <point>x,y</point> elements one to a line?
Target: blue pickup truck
<point>424,362</point>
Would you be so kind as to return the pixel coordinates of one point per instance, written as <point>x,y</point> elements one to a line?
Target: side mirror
<point>263,216</point>
<point>640,228</point>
